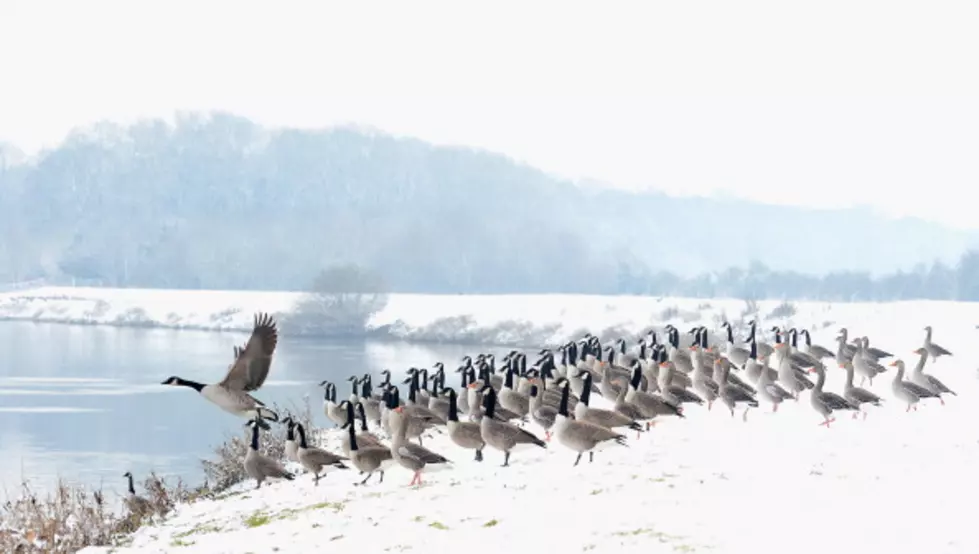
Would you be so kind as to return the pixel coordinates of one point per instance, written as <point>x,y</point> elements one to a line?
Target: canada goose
<point>857,395</point>
<point>906,391</point>
<point>582,436</point>
<point>502,436</point>
<point>370,401</point>
<point>814,350</point>
<point>420,420</point>
<point>364,437</point>
<point>465,434</point>
<point>649,404</point>
<point>825,402</point>
<point>732,395</point>
<point>542,414</point>
<point>137,505</point>
<point>316,460</point>
<point>509,398</point>
<point>920,378</point>
<point>764,350</point>
<point>291,447</point>
<point>246,374</point>
<point>437,403</point>
<point>933,349</point>
<point>737,355</point>
<point>462,396</point>
<point>802,359</point>
<point>331,409</point>
<point>599,416</point>
<point>413,457</point>
<point>367,459</point>
<point>417,382</point>
<point>753,368</point>
<point>259,466</point>
<point>416,408</point>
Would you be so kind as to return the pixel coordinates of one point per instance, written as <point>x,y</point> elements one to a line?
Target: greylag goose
<point>259,466</point>
<point>413,457</point>
<point>465,434</point>
<point>501,435</point>
<point>933,349</point>
<point>825,402</point>
<point>770,391</point>
<point>703,381</point>
<point>906,391</point>
<point>733,395</point>
<point>856,395</point>
<point>788,375</point>
<point>316,460</point>
<point>579,435</point>
<point>865,365</point>
<point>671,393</point>
<point>875,354</point>
<point>246,374</point>
<point>922,379</point>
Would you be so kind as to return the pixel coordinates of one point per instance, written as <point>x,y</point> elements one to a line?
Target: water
<point>86,404</point>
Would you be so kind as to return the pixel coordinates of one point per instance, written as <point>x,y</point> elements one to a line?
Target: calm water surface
<point>85,404</point>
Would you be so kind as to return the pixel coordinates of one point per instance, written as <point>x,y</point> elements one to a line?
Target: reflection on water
<point>84,403</point>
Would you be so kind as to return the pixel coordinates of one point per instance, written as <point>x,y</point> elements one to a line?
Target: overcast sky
<point>821,103</point>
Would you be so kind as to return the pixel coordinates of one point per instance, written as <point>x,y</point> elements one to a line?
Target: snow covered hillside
<point>527,320</point>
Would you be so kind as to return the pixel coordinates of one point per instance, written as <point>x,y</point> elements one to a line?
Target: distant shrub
<point>340,303</point>
<point>784,310</point>
<point>668,313</point>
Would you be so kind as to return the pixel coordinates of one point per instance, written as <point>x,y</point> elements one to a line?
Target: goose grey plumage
<point>930,382</point>
<point>509,398</point>
<point>501,435</point>
<point>317,460</point>
<point>246,374</point>
<point>814,350</point>
<point>542,414</point>
<point>364,437</point>
<point>649,404</point>
<point>370,401</point>
<point>733,395</point>
<point>907,391</point>
<point>259,466</point>
<point>825,402</point>
<point>770,391</point>
<point>367,459</point>
<point>582,436</point>
<point>857,395</point>
<point>606,418</point>
<point>933,349</point>
<point>465,434</point>
<point>413,457</point>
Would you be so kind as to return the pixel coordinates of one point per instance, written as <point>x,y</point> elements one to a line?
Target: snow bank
<point>524,320</point>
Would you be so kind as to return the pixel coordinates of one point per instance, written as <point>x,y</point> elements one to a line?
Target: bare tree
<point>340,303</point>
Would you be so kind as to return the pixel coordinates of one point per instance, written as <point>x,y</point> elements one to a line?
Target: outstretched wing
<point>252,364</point>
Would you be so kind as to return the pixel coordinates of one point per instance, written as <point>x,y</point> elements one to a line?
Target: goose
<point>259,466</point>
<point>246,374</point>
<point>437,403</point>
<point>770,391</point>
<point>801,363</point>
<point>754,368</point>
<point>501,435</point>
<point>416,407</point>
<point>875,353</point>
<point>465,434</point>
<point>364,437</point>
<point>477,403</point>
<point>462,397</point>
<point>764,350</point>
<point>676,378</point>
<point>367,459</point>
<point>933,349</point>
<point>857,395</point>
<point>509,398</point>
<point>317,460</point>
<point>291,447</point>
<point>679,357</point>
<point>922,379</point>
<point>331,409</point>
<point>370,401</point>
<point>606,418</point>
<point>582,436</point>
<point>906,391</point>
<point>542,414</point>
<point>491,377</point>
<point>788,376</point>
<point>649,404</point>
<point>814,350</point>
<point>800,358</point>
<point>671,393</point>
<point>865,365</point>
<point>737,355</point>
<point>354,389</point>
<point>733,395</point>
<point>825,402</point>
<point>421,419</point>
<point>413,457</point>
<point>136,504</point>
<point>629,410</point>
<point>703,381</point>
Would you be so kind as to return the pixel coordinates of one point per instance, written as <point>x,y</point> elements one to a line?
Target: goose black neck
<point>585,389</point>
<point>636,377</point>
<point>363,417</point>
<point>192,384</point>
<point>302,435</point>
<point>255,436</point>
<point>326,393</point>
<point>453,409</point>
<point>489,403</point>
<point>290,433</point>
<point>353,435</point>
<point>508,380</point>
<point>565,395</point>
<point>132,489</point>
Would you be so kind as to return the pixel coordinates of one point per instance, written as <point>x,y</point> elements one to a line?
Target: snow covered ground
<point>896,482</point>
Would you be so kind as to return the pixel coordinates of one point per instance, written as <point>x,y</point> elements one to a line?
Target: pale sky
<point>824,103</point>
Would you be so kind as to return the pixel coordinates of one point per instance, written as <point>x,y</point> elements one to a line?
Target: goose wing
<point>320,456</point>
<point>918,390</point>
<point>420,452</point>
<point>860,395</point>
<point>252,363</point>
<point>835,401</point>
<point>939,385</point>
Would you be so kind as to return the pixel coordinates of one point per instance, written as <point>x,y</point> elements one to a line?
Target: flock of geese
<point>493,401</point>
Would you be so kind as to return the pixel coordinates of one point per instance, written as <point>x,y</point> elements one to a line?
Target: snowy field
<point>895,482</point>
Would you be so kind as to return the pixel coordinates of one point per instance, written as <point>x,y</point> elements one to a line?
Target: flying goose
<point>246,374</point>
<point>502,436</point>
<point>825,402</point>
<point>316,460</point>
<point>920,378</point>
<point>136,504</point>
<point>606,418</point>
<point>465,434</point>
<point>857,395</point>
<point>413,457</point>
<point>906,391</point>
<point>933,349</point>
<point>259,466</point>
<point>582,436</point>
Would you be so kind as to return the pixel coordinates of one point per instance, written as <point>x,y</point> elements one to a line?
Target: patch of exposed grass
<point>257,519</point>
<point>438,525</point>
<point>491,523</point>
